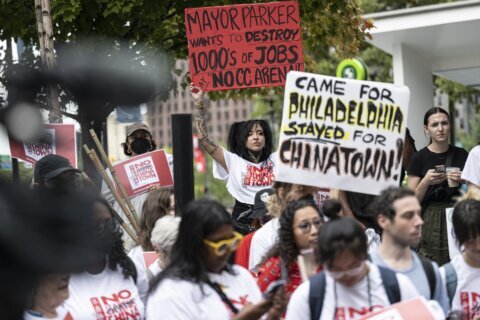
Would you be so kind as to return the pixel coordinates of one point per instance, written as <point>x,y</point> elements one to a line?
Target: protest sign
<point>341,133</point>
<point>409,310</point>
<point>144,172</point>
<point>321,196</point>
<point>57,139</point>
<point>243,46</point>
<point>453,249</point>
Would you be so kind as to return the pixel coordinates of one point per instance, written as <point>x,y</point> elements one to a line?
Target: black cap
<point>50,167</point>
<point>259,207</point>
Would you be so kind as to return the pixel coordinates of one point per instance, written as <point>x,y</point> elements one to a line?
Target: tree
<point>147,28</point>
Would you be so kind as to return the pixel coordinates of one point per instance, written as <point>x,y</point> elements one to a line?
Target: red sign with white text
<point>144,172</point>
<point>57,139</point>
<point>243,46</point>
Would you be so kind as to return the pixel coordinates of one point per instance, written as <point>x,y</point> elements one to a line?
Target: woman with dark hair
<point>199,282</point>
<point>107,288</point>
<point>265,238</point>
<point>349,282</point>
<point>156,206</point>
<point>247,166</point>
<point>435,184</point>
<point>462,275</point>
<point>299,224</point>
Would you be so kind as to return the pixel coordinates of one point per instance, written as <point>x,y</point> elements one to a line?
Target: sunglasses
<point>223,247</point>
<point>348,273</point>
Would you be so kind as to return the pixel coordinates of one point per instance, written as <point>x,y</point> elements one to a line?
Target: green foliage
<point>207,185</point>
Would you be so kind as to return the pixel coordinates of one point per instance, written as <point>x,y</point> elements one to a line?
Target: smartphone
<point>440,169</point>
<point>273,287</point>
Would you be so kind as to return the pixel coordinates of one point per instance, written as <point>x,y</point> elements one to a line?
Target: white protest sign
<point>341,133</point>
<point>453,249</point>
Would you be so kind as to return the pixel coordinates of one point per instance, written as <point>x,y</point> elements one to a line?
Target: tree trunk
<point>45,36</point>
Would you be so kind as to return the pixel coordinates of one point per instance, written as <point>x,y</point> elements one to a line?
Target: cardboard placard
<point>58,139</point>
<point>341,133</point>
<point>144,172</point>
<point>243,46</point>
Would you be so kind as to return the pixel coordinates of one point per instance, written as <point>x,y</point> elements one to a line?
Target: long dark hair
<point>200,219</point>
<point>238,135</point>
<point>434,110</point>
<point>117,255</point>
<point>339,235</point>
<point>286,247</point>
<point>155,206</point>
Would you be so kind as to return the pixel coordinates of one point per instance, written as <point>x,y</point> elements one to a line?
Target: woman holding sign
<point>434,174</point>
<point>247,166</point>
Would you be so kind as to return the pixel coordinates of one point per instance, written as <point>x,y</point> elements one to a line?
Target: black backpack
<point>318,285</point>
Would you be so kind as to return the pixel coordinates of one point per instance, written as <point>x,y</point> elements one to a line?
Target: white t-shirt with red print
<point>107,295</point>
<point>182,300</point>
<point>467,293</point>
<point>244,178</point>
<point>352,302</point>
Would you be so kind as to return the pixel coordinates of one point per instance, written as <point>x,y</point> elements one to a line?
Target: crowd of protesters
<point>279,254</point>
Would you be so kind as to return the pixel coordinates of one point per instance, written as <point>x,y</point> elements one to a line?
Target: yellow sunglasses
<point>222,247</point>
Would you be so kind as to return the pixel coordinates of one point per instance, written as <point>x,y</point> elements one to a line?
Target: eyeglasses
<point>107,226</point>
<point>222,247</point>
<point>305,226</point>
<point>349,273</point>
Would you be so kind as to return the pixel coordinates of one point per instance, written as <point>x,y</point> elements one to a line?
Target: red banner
<point>57,139</point>
<point>243,46</point>
<point>145,172</point>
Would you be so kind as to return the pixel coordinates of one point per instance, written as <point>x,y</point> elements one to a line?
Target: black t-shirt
<point>359,203</point>
<point>424,160</point>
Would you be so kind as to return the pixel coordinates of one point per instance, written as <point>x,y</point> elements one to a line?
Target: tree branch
<point>71,115</point>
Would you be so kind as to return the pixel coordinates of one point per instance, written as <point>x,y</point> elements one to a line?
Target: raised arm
<point>208,144</point>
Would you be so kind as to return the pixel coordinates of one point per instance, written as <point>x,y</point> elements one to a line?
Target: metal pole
<point>182,141</point>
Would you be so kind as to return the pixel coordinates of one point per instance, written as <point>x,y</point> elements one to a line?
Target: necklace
<point>368,292</point>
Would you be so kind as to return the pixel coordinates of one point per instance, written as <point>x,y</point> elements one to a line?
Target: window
<point>219,115</point>
<point>245,113</point>
<point>235,112</point>
<point>226,114</point>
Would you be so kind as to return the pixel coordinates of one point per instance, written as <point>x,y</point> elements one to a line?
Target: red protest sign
<point>243,46</point>
<point>145,172</point>
<point>57,139</point>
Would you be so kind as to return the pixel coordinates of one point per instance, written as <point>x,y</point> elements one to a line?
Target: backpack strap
<point>390,283</point>
<point>430,272</point>
<point>450,280</point>
<point>316,295</point>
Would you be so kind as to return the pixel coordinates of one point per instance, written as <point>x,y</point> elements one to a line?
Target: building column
<point>413,70</point>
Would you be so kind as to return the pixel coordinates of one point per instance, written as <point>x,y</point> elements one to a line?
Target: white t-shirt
<point>352,302</point>
<point>179,299</point>
<point>62,314</point>
<point>467,293</point>
<point>244,178</point>
<point>136,254</point>
<point>107,295</point>
<point>471,170</point>
<point>262,241</point>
